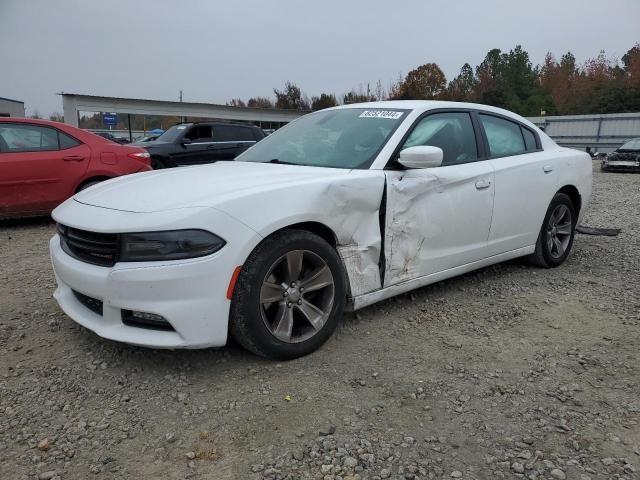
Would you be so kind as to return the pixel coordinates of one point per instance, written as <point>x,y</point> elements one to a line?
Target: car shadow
<point>26,222</point>
<point>233,356</point>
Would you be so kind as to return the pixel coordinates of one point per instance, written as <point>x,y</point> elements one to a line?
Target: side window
<point>27,138</point>
<point>259,133</point>
<point>244,134</point>
<point>450,131</point>
<point>224,133</point>
<point>67,141</point>
<point>504,136</point>
<point>199,133</point>
<point>529,139</point>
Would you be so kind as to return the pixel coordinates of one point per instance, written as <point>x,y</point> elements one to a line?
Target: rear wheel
<point>556,234</point>
<point>289,296</point>
<point>89,184</point>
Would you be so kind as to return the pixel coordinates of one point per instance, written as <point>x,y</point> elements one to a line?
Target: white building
<point>11,108</point>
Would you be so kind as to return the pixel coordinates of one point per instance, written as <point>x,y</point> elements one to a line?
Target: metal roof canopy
<point>11,100</point>
<point>73,103</point>
<point>604,132</point>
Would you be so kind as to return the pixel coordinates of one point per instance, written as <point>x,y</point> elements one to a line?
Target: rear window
<point>67,141</point>
<point>529,140</point>
<point>232,133</point>
<point>244,134</point>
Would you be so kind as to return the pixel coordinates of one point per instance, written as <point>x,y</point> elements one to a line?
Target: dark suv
<point>196,143</point>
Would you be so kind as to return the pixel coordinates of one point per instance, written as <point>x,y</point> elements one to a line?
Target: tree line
<point>601,84</point>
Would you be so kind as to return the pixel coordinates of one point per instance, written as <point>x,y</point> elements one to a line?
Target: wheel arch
<point>572,192</point>
<point>318,228</point>
<point>323,231</point>
<point>95,178</point>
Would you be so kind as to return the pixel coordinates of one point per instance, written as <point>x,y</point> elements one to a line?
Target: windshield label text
<point>381,114</point>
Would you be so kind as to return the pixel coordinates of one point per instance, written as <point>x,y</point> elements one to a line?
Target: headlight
<point>171,245</point>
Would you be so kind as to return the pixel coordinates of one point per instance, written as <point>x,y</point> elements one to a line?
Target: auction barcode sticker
<point>381,114</point>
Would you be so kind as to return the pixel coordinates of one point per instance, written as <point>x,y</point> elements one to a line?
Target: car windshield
<point>342,138</point>
<point>631,145</point>
<point>173,133</point>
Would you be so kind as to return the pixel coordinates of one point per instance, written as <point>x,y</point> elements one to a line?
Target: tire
<point>556,233</point>
<point>274,314</point>
<point>157,164</point>
<point>89,184</point>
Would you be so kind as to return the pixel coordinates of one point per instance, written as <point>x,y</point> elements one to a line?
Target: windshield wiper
<point>281,162</point>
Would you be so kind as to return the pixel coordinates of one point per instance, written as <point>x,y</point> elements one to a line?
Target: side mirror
<point>186,141</point>
<point>421,157</point>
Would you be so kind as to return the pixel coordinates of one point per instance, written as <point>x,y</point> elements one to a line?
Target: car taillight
<point>141,156</point>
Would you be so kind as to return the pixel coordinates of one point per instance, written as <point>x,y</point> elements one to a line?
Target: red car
<point>43,163</point>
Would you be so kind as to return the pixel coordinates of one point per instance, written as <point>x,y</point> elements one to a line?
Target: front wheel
<point>157,164</point>
<point>289,296</point>
<point>556,234</point>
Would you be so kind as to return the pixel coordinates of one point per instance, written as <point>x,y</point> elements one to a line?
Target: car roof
<point>78,133</point>
<point>215,122</point>
<point>37,121</point>
<point>425,105</point>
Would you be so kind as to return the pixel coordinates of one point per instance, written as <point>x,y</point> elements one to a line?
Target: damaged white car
<point>339,209</point>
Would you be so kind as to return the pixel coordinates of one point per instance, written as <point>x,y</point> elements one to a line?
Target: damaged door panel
<point>436,219</point>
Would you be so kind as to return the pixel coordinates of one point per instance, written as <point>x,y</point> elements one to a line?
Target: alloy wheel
<point>559,228</point>
<point>297,296</point>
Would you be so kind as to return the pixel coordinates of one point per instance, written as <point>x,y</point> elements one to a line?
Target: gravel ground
<point>509,372</point>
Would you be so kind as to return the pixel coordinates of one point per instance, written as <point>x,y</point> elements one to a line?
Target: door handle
<point>547,168</point>
<point>483,184</point>
<point>73,158</point>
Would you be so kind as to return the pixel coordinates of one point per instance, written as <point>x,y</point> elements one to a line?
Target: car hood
<point>200,186</point>
<point>624,155</point>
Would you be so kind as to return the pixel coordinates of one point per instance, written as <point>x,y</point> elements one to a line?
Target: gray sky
<point>218,50</point>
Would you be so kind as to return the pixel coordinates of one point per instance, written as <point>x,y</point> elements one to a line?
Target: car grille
<point>91,247</point>
<point>92,304</point>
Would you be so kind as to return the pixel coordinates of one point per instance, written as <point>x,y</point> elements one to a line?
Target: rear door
<point>230,141</point>
<point>524,182</point>
<point>246,137</point>
<point>439,218</point>
<point>39,167</point>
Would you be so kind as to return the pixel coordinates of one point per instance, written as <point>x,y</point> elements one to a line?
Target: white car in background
<point>339,209</point>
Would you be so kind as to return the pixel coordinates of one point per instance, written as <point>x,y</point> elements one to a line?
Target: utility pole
<point>184,119</point>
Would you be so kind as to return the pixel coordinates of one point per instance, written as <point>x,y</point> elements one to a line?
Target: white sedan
<point>340,209</point>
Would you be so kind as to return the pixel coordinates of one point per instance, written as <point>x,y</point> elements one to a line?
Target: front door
<point>438,218</point>
<point>194,150</point>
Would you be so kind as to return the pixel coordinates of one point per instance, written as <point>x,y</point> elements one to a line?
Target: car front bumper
<point>191,295</point>
<point>621,165</point>
<point>188,295</point>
